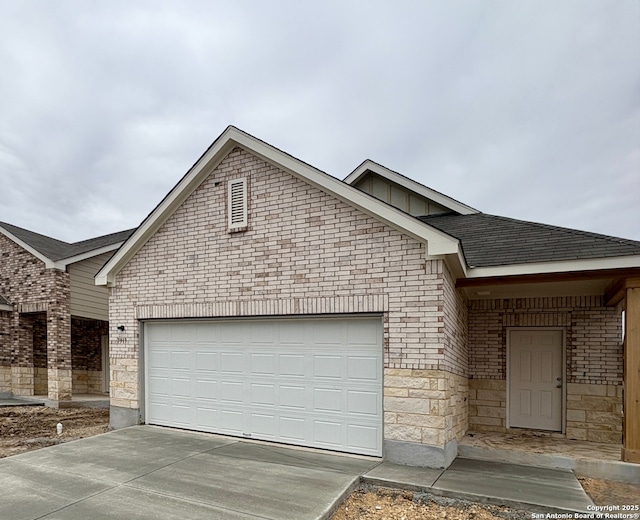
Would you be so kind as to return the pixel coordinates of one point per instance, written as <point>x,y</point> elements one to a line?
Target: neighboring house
<point>263,298</point>
<point>53,318</point>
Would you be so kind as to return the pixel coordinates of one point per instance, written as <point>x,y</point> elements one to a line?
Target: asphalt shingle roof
<point>57,249</point>
<point>490,241</point>
<point>3,301</point>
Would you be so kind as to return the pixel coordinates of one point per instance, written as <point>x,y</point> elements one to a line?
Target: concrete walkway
<point>523,487</point>
<point>147,472</point>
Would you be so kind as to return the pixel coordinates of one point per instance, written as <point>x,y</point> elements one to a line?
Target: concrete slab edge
<point>355,484</point>
<point>538,460</point>
<point>608,470</point>
<point>383,482</point>
<point>482,499</point>
<point>589,468</point>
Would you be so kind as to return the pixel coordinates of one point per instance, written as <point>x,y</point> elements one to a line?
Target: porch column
<point>59,339</point>
<point>631,404</point>
<point>59,355</point>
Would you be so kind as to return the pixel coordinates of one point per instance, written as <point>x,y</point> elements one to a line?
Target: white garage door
<point>310,382</point>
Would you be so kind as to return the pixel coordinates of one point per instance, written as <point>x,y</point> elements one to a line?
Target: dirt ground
<point>25,428</point>
<point>389,504</point>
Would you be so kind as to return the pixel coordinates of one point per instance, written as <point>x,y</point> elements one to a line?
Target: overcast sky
<point>527,109</point>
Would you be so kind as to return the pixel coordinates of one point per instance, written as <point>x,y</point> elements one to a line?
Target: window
<point>237,204</point>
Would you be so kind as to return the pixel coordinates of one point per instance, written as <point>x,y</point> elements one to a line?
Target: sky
<point>528,109</point>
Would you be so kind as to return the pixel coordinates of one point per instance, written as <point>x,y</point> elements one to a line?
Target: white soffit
<point>410,185</point>
<point>594,264</point>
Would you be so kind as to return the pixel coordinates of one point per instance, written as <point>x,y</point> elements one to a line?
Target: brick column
<point>59,338</point>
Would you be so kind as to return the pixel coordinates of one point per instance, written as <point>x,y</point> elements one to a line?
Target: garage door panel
<point>327,399</point>
<point>159,358</point>
<point>206,390</point>
<point>292,396</point>
<point>364,437</point>
<point>301,381</point>
<point>363,368</point>
<point>263,426</point>
<point>206,418</point>
<point>264,364</point>
<point>327,367</point>
<point>231,421</point>
<point>292,365</point>
<point>262,394</point>
<point>231,391</point>
<point>363,403</point>
<point>231,362</point>
<point>158,385</point>
<point>207,361</point>
<point>181,360</point>
<point>292,428</point>
<point>328,433</point>
<point>327,335</point>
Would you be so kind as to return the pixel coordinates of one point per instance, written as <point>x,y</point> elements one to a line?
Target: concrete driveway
<point>147,472</point>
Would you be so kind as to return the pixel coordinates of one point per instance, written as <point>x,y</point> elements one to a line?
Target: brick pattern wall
<point>456,326</point>
<point>86,339</point>
<point>5,339</point>
<point>301,244</point>
<point>39,340</point>
<point>593,335</point>
<point>26,283</point>
<point>594,362</point>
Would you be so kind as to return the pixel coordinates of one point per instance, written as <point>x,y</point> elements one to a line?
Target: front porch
<point>546,450</point>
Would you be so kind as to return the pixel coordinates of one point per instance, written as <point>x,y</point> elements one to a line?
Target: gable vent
<point>237,204</point>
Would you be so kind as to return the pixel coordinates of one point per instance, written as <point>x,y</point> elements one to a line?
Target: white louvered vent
<point>237,204</point>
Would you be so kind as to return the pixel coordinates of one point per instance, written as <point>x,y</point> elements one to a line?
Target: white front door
<point>535,379</point>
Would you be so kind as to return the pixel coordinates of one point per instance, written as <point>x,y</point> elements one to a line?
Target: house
<point>263,298</point>
<point>53,318</point>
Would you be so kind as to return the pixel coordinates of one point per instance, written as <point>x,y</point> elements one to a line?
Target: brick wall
<point>593,353</point>
<point>33,289</point>
<point>593,335</point>
<point>304,252</point>
<point>300,244</point>
<point>86,340</point>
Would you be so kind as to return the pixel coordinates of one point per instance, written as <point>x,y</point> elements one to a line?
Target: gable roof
<point>437,242</point>
<point>491,241</point>
<point>56,253</point>
<point>411,185</point>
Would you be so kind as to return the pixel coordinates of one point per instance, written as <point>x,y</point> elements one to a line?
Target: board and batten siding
<point>398,196</point>
<point>87,299</point>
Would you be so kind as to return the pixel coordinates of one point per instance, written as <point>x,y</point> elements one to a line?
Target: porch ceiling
<point>584,283</point>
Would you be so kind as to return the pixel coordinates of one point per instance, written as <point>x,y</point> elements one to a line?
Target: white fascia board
<point>438,243</point>
<point>187,185</point>
<point>6,308</point>
<point>410,185</point>
<point>618,262</point>
<point>47,261</point>
<point>62,264</point>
